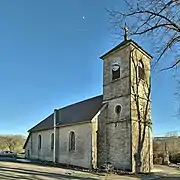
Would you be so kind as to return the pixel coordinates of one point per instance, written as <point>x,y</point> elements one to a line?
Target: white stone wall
<point>83,143</point>
<point>82,155</point>
<point>94,141</point>
<point>28,148</point>
<point>45,153</point>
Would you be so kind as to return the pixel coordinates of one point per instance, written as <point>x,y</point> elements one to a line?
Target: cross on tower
<point>125,32</point>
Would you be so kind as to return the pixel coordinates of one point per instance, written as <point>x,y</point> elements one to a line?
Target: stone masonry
<point>118,133</point>
<point>114,128</point>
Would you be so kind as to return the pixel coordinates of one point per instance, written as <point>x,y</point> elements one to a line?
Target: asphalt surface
<point>11,169</point>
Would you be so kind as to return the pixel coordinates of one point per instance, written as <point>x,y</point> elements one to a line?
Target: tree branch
<point>175,64</point>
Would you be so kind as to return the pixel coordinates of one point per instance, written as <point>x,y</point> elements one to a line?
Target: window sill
<point>72,151</point>
<point>114,80</point>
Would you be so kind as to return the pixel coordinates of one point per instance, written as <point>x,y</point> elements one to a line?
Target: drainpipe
<point>55,134</point>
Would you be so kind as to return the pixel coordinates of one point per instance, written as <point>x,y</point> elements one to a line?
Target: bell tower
<point>125,139</point>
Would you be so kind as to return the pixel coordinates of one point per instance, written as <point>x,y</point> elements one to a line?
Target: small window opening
<point>141,72</point>
<point>118,109</point>
<point>52,141</point>
<point>115,71</point>
<point>71,141</point>
<point>39,142</point>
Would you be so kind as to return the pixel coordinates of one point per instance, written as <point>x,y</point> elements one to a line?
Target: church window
<point>71,141</point>
<point>118,109</point>
<point>52,141</point>
<point>39,142</point>
<point>140,70</point>
<point>115,71</point>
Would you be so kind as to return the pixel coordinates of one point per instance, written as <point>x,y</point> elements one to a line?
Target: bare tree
<point>159,19</point>
<point>168,145</point>
<point>2,143</point>
<point>155,20</point>
<point>12,142</point>
<point>140,115</point>
<point>141,118</point>
<point>172,141</point>
<point>177,94</point>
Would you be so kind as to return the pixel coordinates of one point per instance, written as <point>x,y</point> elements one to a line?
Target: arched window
<point>71,141</point>
<point>140,70</point>
<point>39,142</point>
<point>115,71</point>
<point>52,141</point>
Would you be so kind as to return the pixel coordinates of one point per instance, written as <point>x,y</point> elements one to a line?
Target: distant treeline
<point>163,146</point>
<point>12,142</point>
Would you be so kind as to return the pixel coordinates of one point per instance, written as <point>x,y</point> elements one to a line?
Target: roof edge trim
<point>121,45</point>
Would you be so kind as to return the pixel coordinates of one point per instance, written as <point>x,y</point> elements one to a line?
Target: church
<point>112,128</point>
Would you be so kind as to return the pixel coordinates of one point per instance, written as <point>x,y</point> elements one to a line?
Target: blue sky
<point>49,58</point>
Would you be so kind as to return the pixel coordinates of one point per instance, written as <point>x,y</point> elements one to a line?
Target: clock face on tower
<point>115,66</point>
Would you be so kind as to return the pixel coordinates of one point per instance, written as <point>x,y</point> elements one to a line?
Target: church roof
<point>122,44</point>
<point>79,112</point>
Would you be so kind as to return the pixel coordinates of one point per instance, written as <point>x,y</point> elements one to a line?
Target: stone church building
<point>113,128</point>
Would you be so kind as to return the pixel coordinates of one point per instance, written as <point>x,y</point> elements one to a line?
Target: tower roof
<point>122,44</point>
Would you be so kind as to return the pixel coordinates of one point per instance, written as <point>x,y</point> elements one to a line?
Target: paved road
<point>13,170</point>
<point>28,171</point>
<point>167,173</point>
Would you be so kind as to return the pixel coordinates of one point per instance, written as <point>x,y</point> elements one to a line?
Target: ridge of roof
<point>71,114</point>
<point>73,104</point>
<point>50,116</point>
<point>122,44</point>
